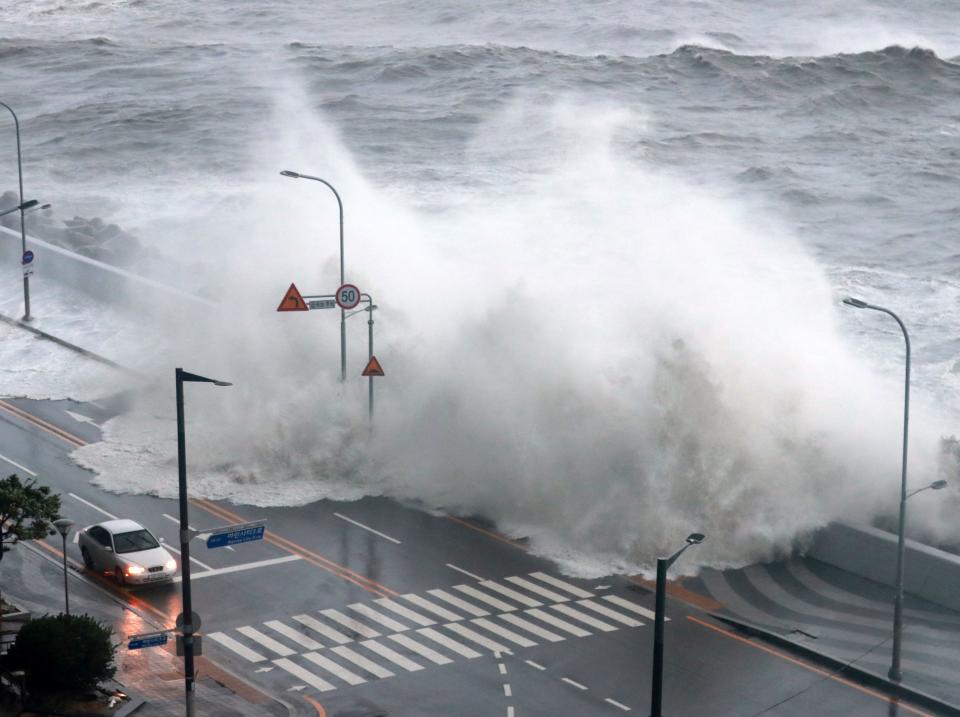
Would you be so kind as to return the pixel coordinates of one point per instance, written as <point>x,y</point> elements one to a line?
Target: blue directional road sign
<point>235,534</point>
<point>154,640</point>
<point>27,257</point>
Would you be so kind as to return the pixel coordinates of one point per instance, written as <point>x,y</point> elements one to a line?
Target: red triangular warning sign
<point>373,368</point>
<point>293,301</point>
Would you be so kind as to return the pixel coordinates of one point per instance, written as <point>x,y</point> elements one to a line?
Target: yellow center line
<point>811,668</point>
<point>40,423</point>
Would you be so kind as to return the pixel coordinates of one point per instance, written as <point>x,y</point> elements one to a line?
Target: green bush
<point>60,652</point>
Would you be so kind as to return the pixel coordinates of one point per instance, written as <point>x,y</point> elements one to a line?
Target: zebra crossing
<point>334,648</point>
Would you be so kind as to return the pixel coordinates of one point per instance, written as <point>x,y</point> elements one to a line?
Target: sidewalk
<point>35,584</point>
<point>823,610</point>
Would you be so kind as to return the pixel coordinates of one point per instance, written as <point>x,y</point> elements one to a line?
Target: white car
<point>127,550</point>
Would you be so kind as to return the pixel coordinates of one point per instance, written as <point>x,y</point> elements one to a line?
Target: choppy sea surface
<point>607,239</point>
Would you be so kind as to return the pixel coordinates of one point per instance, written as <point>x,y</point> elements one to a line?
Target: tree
<point>27,512</point>
<point>63,652</point>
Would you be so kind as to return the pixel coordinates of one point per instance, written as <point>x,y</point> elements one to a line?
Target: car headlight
<point>134,570</point>
<point>171,564</point>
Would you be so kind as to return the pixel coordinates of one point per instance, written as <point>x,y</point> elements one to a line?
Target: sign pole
<point>188,673</point>
<point>370,356</point>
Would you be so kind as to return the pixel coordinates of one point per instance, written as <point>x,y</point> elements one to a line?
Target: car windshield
<point>133,541</point>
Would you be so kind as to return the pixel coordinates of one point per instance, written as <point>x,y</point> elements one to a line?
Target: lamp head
<point>856,303</point>
<point>63,526</point>
<point>29,204</point>
<point>938,484</point>
<point>288,173</point>
<point>222,383</point>
<point>695,538</point>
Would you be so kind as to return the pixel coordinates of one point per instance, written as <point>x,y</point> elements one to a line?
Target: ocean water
<point>608,241</point>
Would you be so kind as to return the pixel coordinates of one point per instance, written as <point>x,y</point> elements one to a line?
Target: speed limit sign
<point>348,296</point>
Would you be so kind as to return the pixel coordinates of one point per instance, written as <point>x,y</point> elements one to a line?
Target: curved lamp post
<point>185,536</point>
<point>343,320</point>
<point>663,564</point>
<point>23,230</point>
<point>895,673</point>
<point>63,526</point>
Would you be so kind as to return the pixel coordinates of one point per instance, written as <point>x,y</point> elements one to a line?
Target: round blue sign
<point>27,257</point>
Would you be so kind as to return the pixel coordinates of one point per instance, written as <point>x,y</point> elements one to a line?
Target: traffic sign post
<point>27,262</point>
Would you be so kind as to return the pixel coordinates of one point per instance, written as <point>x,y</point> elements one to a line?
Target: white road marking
<point>405,611</point>
<point>476,637</point>
<point>17,465</point>
<point>264,669</point>
<point>452,645</point>
<point>241,567</point>
<point>507,692</point>
<point>265,640</point>
<point>565,586</point>
<point>80,418</point>
<point>557,622</point>
<point>465,572</point>
<point>392,655</point>
<point>512,594</point>
<point>367,528</point>
<point>575,684</point>
<point>369,612</point>
<point>502,667</point>
<point>95,507</point>
<point>640,610</point>
<point>433,607</point>
<point>542,591</point>
<point>510,712</point>
<point>76,537</point>
<point>333,668</point>
<point>504,632</point>
<point>167,546</point>
<point>293,635</point>
<point>421,650</point>
<point>612,614</point>
<point>483,597</point>
<point>177,521</point>
<point>584,618</point>
<point>294,669</point>
<point>350,623</point>
<point>322,628</point>
<point>232,644</point>
<point>457,602</point>
<point>617,704</point>
<point>531,628</point>
<point>362,662</point>
<point>535,665</point>
<point>300,688</point>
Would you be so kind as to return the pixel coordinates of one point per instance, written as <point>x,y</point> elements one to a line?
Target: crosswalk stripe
<point>422,650</point>
<point>387,622</point>
<point>539,590</point>
<point>531,628</point>
<point>433,607</point>
<point>294,635</point>
<point>632,606</point>
<point>453,645</point>
<point>565,586</point>
<point>332,667</point>
<point>350,623</point>
<point>267,641</point>
<point>612,614</point>
<point>362,662</point>
<point>483,597</point>
<point>404,611</point>
<point>557,622</point>
<point>504,632</point>
<point>301,674</point>
<point>322,628</point>
<point>476,637</point>
<point>584,618</point>
<point>392,655</point>
<point>457,602</point>
<point>232,644</point>
<point>512,594</point>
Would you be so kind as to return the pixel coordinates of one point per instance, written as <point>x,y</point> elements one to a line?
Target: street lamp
<point>188,671</point>
<point>663,564</point>
<point>23,230</point>
<point>63,526</point>
<point>895,673</point>
<point>343,320</point>
<point>29,204</point>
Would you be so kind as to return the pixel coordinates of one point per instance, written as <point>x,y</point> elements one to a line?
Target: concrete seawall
<point>871,553</point>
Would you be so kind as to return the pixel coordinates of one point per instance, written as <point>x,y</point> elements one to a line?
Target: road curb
<point>865,677</point>
<point>66,344</point>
